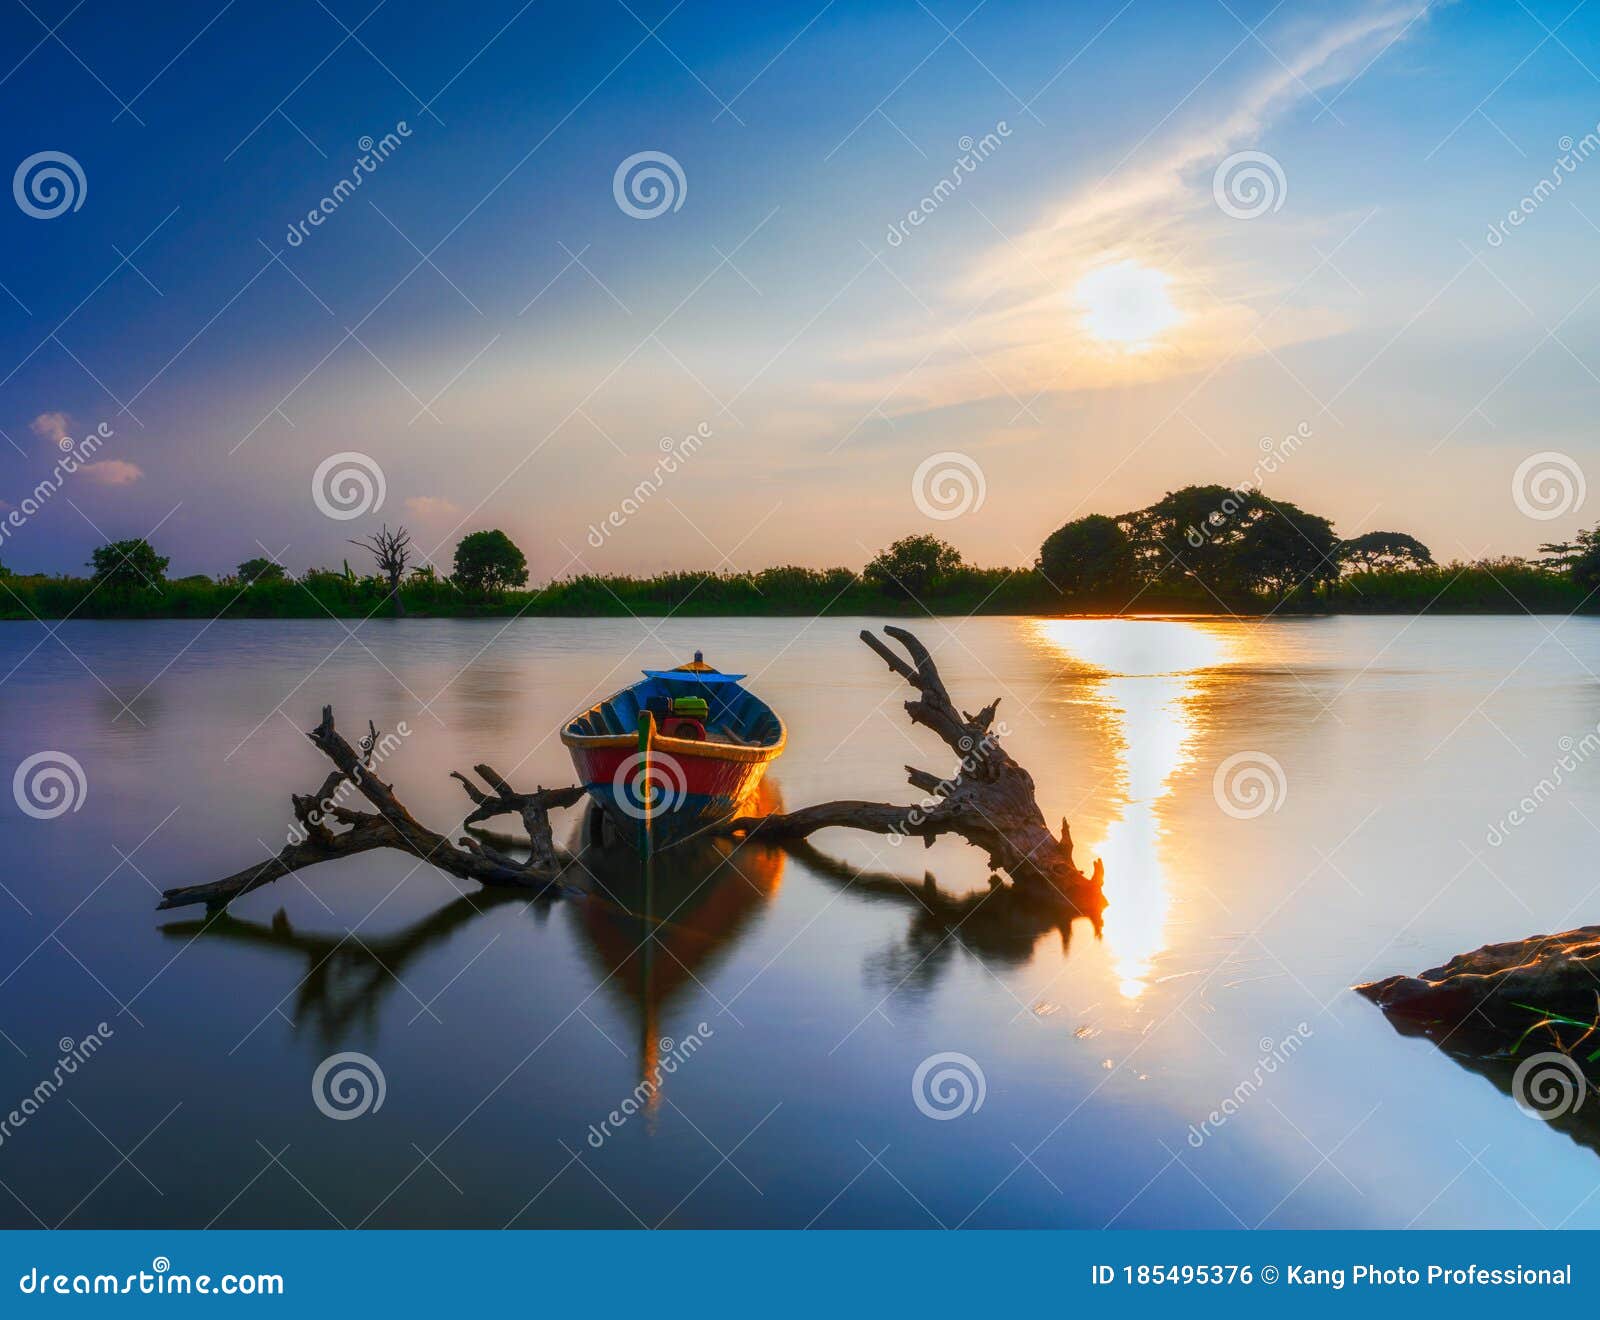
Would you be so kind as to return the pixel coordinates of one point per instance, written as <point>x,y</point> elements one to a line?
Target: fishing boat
<point>672,754</point>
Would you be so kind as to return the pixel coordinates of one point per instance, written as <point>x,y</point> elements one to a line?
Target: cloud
<point>111,472</point>
<point>1007,324</point>
<point>432,506</point>
<point>52,426</point>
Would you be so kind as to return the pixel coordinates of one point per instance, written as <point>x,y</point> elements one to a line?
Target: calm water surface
<point>507,1031</point>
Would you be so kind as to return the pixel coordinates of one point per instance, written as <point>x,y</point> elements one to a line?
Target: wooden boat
<point>672,754</point>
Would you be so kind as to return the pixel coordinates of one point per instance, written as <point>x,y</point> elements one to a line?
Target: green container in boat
<point>693,707</point>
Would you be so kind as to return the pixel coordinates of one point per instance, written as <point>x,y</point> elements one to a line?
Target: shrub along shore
<point>1497,588</point>
<point>1200,550</point>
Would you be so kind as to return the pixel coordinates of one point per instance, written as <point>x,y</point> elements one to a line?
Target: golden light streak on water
<point>1143,676</point>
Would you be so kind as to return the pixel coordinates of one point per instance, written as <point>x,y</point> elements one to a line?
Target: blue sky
<point>524,373</point>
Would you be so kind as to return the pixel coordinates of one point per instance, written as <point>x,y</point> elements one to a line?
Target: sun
<point>1126,304</point>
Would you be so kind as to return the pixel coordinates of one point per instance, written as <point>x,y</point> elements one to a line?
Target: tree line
<point>1198,549</point>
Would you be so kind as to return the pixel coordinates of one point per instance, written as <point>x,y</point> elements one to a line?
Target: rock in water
<point>1502,988</point>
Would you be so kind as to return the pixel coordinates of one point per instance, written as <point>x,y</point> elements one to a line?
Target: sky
<point>701,285</point>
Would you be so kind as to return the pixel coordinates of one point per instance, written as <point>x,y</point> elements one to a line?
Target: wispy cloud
<point>1008,325</point>
<point>111,472</point>
<point>432,506</point>
<point>52,426</point>
<point>56,428</point>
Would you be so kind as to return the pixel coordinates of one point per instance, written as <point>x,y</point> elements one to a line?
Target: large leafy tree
<point>488,563</point>
<point>1088,555</point>
<point>128,565</point>
<point>260,570</point>
<point>1284,548</point>
<point>1193,533</point>
<point>1376,551</point>
<point>1579,558</point>
<point>913,566</point>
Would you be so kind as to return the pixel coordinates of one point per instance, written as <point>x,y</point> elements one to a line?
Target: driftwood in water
<point>989,801</point>
<point>391,825</point>
<point>1497,993</point>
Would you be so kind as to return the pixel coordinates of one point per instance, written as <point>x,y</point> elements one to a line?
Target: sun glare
<point>1126,304</point>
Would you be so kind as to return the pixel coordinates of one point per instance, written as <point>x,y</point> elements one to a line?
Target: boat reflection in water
<point>652,941</point>
<point>659,934</point>
<point>1144,679</point>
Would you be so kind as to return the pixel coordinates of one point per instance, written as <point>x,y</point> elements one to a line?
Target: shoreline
<point>509,615</point>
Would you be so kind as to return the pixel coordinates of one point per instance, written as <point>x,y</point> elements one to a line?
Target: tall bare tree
<point>392,550</point>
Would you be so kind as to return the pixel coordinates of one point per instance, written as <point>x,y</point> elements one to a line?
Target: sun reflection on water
<point>1142,677</point>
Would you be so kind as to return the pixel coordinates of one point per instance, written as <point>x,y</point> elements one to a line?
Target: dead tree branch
<point>989,801</point>
<point>391,825</point>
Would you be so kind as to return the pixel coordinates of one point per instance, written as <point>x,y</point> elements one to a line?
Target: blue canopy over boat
<point>687,675</point>
<point>696,671</point>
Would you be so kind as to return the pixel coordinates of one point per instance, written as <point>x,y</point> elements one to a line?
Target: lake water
<point>507,1032</point>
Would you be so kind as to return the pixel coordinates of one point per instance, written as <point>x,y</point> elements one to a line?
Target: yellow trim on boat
<point>713,751</point>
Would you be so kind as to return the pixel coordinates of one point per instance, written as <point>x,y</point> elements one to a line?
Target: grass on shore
<point>1489,587</point>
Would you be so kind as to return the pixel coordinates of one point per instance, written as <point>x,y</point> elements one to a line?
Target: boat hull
<point>691,785</point>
